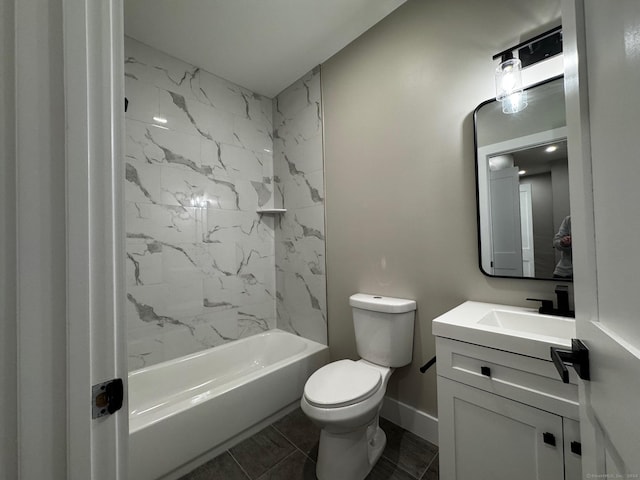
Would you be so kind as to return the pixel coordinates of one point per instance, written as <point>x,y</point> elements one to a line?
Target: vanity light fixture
<point>509,89</point>
<point>508,75</point>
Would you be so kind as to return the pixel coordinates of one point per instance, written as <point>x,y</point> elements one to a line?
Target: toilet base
<point>349,455</point>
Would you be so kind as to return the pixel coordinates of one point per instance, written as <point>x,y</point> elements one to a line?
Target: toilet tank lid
<point>379,303</point>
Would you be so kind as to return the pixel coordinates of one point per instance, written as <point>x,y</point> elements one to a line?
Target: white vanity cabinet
<point>504,416</point>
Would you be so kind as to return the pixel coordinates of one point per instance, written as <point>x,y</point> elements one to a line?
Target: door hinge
<point>107,398</point>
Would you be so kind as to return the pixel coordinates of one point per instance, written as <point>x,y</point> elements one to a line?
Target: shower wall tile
<point>200,261</point>
<point>299,187</point>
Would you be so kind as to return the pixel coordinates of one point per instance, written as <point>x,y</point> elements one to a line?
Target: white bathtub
<point>183,412</point>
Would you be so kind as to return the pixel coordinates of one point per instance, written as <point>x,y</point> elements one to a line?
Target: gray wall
<point>399,167</point>
<point>8,427</point>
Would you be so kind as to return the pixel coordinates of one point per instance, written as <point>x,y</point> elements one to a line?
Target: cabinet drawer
<point>524,379</point>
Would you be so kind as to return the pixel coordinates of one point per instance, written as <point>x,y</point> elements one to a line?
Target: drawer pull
<point>549,439</point>
<point>486,371</point>
<point>576,447</point>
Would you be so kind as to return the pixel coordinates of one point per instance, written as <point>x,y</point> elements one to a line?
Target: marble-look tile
<point>304,93</point>
<point>262,451</point>
<point>200,265</point>
<point>257,138</point>
<point>149,65</point>
<point>303,126</point>
<point>233,162</point>
<point>144,349</point>
<point>142,183</point>
<point>223,467</point>
<point>295,467</point>
<point>408,451</point>
<point>302,158</point>
<point>144,100</point>
<point>302,190</point>
<point>305,256</point>
<point>167,224</point>
<point>144,264</point>
<point>154,144</point>
<point>221,94</point>
<point>218,327</point>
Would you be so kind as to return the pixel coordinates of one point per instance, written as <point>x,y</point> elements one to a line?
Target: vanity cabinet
<point>504,416</point>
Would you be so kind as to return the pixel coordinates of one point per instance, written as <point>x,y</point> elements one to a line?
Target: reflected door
<point>526,227</point>
<point>506,237</point>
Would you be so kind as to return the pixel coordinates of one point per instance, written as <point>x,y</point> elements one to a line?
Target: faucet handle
<point>546,307</point>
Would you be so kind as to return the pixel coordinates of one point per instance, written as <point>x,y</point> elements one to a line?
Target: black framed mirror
<point>522,187</point>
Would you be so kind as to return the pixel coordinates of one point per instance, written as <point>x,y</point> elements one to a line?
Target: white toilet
<point>344,398</point>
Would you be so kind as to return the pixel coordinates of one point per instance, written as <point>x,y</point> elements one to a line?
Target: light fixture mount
<point>508,75</point>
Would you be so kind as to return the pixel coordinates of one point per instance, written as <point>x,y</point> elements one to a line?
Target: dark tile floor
<point>288,450</point>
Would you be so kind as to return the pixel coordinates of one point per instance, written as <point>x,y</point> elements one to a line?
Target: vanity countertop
<point>513,329</point>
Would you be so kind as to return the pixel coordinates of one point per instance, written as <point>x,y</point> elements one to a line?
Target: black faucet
<point>562,295</point>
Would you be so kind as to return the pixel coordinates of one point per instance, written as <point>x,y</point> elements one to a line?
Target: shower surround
<point>202,155</point>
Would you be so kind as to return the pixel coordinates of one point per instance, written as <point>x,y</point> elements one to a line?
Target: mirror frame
<point>478,223</point>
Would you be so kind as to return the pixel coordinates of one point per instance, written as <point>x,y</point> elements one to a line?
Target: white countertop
<point>465,323</point>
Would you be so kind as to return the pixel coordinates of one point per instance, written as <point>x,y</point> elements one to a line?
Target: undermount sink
<point>513,329</point>
<point>536,324</point>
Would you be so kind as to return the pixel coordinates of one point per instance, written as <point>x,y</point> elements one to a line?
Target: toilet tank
<point>384,328</point>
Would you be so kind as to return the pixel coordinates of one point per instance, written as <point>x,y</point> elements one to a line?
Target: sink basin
<point>503,327</point>
<point>530,323</point>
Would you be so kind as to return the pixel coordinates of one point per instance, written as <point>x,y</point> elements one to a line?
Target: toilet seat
<point>341,383</point>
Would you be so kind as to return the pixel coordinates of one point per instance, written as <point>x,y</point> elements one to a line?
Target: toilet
<point>344,397</point>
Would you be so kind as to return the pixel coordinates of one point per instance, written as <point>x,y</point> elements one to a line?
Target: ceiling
<point>263,45</point>
<point>536,160</point>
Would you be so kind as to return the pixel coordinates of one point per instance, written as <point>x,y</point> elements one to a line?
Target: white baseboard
<point>417,422</point>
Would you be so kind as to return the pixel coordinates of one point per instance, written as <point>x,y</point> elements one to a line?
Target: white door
<point>602,56</point>
<point>505,222</point>
<point>526,228</point>
<point>94,115</point>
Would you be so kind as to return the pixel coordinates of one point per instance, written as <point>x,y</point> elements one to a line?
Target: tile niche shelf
<point>271,210</point>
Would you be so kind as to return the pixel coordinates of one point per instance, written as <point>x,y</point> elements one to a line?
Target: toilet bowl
<point>344,398</point>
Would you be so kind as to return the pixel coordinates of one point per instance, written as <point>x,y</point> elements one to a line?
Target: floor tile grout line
<point>246,474</point>
<point>295,445</point>
<point>277,463</point>
<point>435,457</point>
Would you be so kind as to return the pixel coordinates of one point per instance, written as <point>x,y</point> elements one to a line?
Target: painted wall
<point>8,326</point>
<point>201,262</point>
<point>399,168</point>
<point>300,232</point>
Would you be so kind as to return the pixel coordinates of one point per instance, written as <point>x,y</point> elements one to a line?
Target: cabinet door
<point>572,450</point>
<point>485,436</point>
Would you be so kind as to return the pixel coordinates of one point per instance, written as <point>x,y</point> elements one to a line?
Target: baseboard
<point>417,422</point>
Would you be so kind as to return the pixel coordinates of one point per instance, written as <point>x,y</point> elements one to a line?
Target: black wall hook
<point>427,365</point>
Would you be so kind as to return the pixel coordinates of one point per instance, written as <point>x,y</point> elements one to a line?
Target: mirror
<point>522,176</point>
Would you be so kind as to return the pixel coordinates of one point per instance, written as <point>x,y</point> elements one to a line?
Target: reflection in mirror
<point>523,187</point>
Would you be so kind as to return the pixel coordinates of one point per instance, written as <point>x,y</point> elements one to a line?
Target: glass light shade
<point>515,102</point>
<point>508,78</point>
